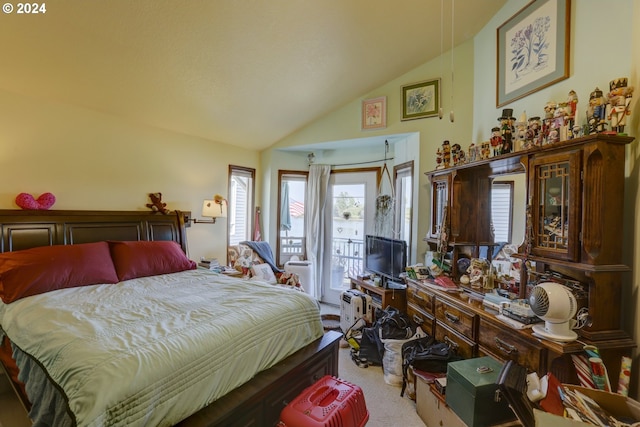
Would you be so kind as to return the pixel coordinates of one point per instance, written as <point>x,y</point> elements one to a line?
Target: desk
<point>381,297</point>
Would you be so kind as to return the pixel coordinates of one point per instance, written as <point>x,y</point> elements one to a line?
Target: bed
<point>153,340</point>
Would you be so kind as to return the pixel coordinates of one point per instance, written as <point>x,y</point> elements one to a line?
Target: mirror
<point>508,208</point>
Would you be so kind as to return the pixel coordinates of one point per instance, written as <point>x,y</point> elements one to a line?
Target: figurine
<point>457,154</point>
<point>549,111</point>
<point>472,156</point>
<point>618,107</point>
<point>596,112</point>
<point>439,164</point>
<point>570,108</point>
<point>496,142</point>
<point>521,132</point>
<point>507,130</point>
<point>532,138</point>
<point>485,150</point>
<point>558,126</point>
<point>446,154</point>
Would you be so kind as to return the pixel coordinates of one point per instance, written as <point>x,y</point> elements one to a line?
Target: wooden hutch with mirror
<point>569,224</point>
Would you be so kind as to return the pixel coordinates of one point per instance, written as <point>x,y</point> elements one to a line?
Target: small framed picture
<point>421,99</point>
<point>374,113</point>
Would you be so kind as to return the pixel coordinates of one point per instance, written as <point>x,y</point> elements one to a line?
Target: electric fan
<point>556,305</point>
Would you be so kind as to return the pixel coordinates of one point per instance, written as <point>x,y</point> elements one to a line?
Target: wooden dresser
<point>574,221</point>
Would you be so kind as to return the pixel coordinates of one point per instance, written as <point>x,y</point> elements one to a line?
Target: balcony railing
<point>348,253</point>
<point>345,252</point>
<point>290,246</point>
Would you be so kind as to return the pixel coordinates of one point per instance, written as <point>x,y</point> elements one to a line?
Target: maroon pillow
<point>47,268</point>
<point>142,258</point>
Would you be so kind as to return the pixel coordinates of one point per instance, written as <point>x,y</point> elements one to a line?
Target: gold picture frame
<point>421,99</point>
<point>533,49</point>
<point>374,113</point>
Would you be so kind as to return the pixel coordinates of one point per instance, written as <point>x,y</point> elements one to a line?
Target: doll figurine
<point>549,112</point>
<point>533,133</point>
<point>619,97</point>
<point>446,154</point>
<point>570,108</point>
<point>496,142</point>
<point>521,132</point>
<point>596,112</point>
<point>439,160</point>
<point>507,130</point>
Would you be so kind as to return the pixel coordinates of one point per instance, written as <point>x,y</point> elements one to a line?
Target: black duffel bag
<point>428,355</point>
<point>371,348</point>
<point>395,325</point>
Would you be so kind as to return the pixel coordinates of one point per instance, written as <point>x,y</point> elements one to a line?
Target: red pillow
<point>47,268</point>
<point>143,258</point>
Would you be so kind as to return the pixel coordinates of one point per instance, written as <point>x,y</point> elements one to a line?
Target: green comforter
<point>152,351</point>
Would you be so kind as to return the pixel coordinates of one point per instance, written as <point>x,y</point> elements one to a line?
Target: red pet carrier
<point>330,402</point>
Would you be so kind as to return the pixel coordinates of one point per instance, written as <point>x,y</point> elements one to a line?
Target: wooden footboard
<point>260,401</point>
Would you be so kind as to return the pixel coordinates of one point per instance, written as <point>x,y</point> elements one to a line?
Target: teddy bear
<point>156,204</point>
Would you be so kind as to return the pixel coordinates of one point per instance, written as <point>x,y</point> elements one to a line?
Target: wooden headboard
<point>24,229</point>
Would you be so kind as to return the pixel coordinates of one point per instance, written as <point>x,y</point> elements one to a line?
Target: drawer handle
<point>451,342</point>
<point>451,318</point>
<point>417,296</point>
<point>505,347</point>
<point>418,319</point>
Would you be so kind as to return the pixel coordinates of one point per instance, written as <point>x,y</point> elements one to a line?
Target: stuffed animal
<point>28,202</point>
<point>156,204</point>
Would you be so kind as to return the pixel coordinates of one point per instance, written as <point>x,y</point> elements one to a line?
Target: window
<point>501,208</point>
<point>291,232</point>
<point>241,203</point>
<point>404,202</point>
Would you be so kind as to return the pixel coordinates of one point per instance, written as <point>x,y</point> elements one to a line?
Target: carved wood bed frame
<point>257,402</point>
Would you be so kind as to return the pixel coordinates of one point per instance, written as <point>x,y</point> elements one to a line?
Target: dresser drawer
<point>420,297</point>
<point>503,343</point>
<point>423,319</point>
<point>465,347</point>
<point>456,318</point>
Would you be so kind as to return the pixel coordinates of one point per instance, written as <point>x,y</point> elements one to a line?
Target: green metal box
<point>471,392</point>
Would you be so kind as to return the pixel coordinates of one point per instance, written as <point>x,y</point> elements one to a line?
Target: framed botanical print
<point>533,49</point>
<point>374,113</point>
<point>421,99</point>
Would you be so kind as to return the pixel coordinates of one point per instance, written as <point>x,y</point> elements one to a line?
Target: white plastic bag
<point>392,358</point>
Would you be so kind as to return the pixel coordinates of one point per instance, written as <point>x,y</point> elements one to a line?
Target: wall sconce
<point>216,208</point>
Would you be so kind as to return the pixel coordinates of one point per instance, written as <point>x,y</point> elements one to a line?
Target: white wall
<point>94,161</point>
<point>605,44</point>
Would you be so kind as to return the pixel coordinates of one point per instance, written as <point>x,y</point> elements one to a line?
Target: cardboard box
<point>614,404</point>
<point>431,406</point>
<point>471,392</point>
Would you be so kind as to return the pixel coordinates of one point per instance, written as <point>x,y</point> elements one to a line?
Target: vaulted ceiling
<point>243,72</point>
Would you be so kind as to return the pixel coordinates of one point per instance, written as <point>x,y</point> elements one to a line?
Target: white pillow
<point>263,272</point>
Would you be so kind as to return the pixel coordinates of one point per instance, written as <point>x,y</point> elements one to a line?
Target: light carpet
<point>386,407</point>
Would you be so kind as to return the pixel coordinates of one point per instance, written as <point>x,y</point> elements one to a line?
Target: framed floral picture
<point>421,99</point>
<point>533,49</point>
<point>374,113</point>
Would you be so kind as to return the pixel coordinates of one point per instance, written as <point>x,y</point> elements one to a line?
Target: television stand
<point>381,297</point>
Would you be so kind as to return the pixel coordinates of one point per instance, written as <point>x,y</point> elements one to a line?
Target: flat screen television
<point>385,257</point>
